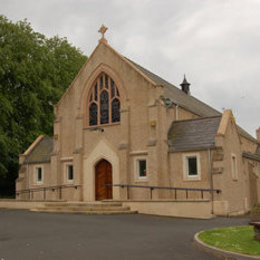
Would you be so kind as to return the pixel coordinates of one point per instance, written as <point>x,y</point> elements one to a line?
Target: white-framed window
<point>234,172</point>
<point>191,166</point>
<point>141,168</point>
<point>38,173</point>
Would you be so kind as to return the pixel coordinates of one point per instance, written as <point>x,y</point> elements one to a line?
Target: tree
<point>34,73</point>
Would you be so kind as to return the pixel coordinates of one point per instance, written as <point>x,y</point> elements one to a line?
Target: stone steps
<point>83,204</point>
<point>85,208</point>
<point>86,212</point>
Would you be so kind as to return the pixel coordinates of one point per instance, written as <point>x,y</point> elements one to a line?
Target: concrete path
<point>32,236</point>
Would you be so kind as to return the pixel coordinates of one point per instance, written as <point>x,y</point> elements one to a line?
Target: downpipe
<point>211,181</point>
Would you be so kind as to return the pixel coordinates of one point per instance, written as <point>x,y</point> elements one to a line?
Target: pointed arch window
<point>103,102</point>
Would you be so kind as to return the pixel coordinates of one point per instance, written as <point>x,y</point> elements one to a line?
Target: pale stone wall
<point>251,169</point>
<point>184,114</point>
<point>177,177</point>
<point>185,209</point>
<point>234,188</point>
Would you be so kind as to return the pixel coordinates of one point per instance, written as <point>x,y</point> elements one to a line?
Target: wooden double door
<point>103,175</point>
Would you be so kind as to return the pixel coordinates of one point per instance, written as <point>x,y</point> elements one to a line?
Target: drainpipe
<point>176,112</point>
<point>211,180</point>
<point>27,176</point>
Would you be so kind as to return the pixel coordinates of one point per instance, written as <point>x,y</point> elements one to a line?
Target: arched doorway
<point>103,175</point>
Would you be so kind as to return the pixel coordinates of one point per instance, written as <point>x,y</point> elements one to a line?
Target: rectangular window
<point>39,174</point>
<point>192,166</point>
<point>70,174</point>
<point>142,168</point>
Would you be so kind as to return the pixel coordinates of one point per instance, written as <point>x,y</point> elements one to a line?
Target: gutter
<point>27,175</point>
<point>176,112</point>
<point>211,180</point>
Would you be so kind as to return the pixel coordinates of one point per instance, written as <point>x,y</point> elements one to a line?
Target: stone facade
<point>147,109</point>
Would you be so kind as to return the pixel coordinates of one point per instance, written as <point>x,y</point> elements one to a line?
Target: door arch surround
<point>102,150</point>
<point>103,175</point>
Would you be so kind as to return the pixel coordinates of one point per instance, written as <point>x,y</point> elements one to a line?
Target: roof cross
<point>103,30</point>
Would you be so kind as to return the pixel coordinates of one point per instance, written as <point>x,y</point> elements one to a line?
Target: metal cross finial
<point>103,30</point>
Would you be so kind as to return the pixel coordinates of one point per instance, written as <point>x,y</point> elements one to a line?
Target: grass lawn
<point>236,239</point>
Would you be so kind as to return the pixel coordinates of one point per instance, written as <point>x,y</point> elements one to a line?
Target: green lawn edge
<point>238,239</point>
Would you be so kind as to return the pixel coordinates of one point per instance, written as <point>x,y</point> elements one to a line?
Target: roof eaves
<point>187,149</point>
<point>39,161</point>
<point>195,119</point>
<point>246,135</point>
<point>251,156</point>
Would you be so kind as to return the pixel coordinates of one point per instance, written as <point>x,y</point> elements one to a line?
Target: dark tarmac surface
<point>28,235</point>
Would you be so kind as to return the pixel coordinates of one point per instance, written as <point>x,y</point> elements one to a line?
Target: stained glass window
<point>95,92</point>
<point>106,81</point>
<point>112,90</point>
<point>93,114</point>
<point>104,108</point>
<point>115,110</point>
<point>104,102</point>
<point>101,82</point>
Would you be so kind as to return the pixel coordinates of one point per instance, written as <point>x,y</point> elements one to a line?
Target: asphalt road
<point>28,235</point>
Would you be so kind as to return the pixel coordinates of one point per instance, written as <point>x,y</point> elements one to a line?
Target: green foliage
<point>34,73</point>
<point>236,239</point>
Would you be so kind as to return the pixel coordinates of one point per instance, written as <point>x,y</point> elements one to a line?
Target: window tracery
<point>104,102</point>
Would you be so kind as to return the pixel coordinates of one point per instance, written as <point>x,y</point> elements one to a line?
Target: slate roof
<point>41,152</point>
<point>186,101</point>
<point>178,96</point>
<point>193,134</point>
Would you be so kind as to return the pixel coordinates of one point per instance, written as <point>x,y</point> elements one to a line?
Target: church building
<point>122,133</point>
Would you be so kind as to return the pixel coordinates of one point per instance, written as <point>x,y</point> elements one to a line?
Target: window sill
<point>39,183</point>
<point>192,179</point>
<point>96,127</point>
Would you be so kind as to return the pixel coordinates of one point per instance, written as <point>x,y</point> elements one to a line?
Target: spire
<point>103,30</point>
<point>185,86</point>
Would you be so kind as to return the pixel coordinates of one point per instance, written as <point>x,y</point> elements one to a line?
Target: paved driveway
<point>32,236</point>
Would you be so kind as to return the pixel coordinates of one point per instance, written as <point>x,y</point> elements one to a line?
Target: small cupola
<point>185,86</point>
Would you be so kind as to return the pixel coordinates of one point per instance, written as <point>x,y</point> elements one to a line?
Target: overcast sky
<point>216,43</point>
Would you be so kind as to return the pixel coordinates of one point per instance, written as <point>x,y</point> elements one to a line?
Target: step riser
<point>85,209</point>
<point>82,205</point>
<point>87,212</point>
